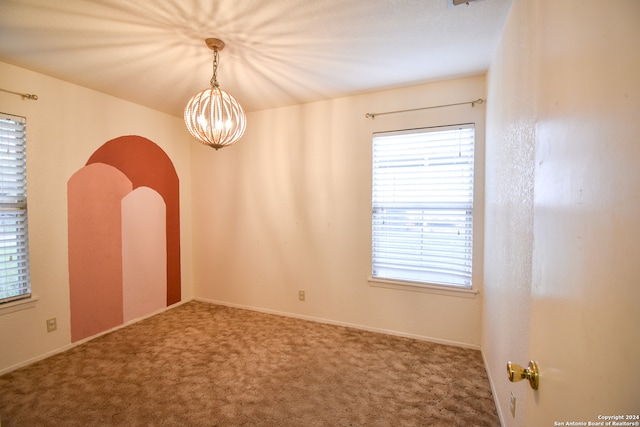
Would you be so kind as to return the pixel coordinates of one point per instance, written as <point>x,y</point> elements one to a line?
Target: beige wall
<point>65,126</point>
<point>289,208</point>
<point>510,156</point>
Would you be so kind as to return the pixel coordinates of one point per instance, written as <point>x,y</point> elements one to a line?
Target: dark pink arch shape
<point>147,165</point>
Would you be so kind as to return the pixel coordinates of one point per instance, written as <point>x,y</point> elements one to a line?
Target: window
<point>14,245</point>
<point>422,221</point>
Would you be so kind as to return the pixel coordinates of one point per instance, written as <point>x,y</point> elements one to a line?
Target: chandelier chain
<point>216,61</point>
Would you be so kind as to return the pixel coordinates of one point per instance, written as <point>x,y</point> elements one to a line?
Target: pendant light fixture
<point>212,115</point>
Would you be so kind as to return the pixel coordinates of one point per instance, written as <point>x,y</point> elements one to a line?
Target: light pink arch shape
<point>144,253</point>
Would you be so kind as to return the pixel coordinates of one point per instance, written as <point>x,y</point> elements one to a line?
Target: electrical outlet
<point>512,404</point>
<point>301,295</point>
<point>52,325</point>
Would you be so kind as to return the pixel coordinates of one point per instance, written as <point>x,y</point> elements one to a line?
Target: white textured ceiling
<point>278,52</point>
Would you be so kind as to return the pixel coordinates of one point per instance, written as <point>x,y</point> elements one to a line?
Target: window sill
<point>21,304</point>
<point>422,287</point>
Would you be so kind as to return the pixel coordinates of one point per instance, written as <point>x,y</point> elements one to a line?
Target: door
<point>585,293</point>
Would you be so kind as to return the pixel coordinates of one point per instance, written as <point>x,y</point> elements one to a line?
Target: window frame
<point>13,204</point>
<point>430,285</point>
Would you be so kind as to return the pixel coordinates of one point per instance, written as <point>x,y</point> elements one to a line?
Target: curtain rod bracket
<point>478,101</point>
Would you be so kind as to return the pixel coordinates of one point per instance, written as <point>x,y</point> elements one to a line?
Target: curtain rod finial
<point>23,95</point>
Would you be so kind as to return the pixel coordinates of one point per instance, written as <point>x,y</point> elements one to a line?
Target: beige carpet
<point>207,365</point>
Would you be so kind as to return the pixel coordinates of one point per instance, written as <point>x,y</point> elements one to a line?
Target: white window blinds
<point>422,222</point>
<point>14,244</point>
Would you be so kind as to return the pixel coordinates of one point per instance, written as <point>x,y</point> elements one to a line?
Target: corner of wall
<point>510,166</point>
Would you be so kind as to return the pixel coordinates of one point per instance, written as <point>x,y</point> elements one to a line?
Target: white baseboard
<point>493,390</point>
<point>340,323</point>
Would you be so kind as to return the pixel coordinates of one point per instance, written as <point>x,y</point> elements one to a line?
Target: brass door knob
<point>517,373</point>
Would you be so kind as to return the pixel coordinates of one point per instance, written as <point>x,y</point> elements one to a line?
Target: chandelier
<point>212,115</point>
